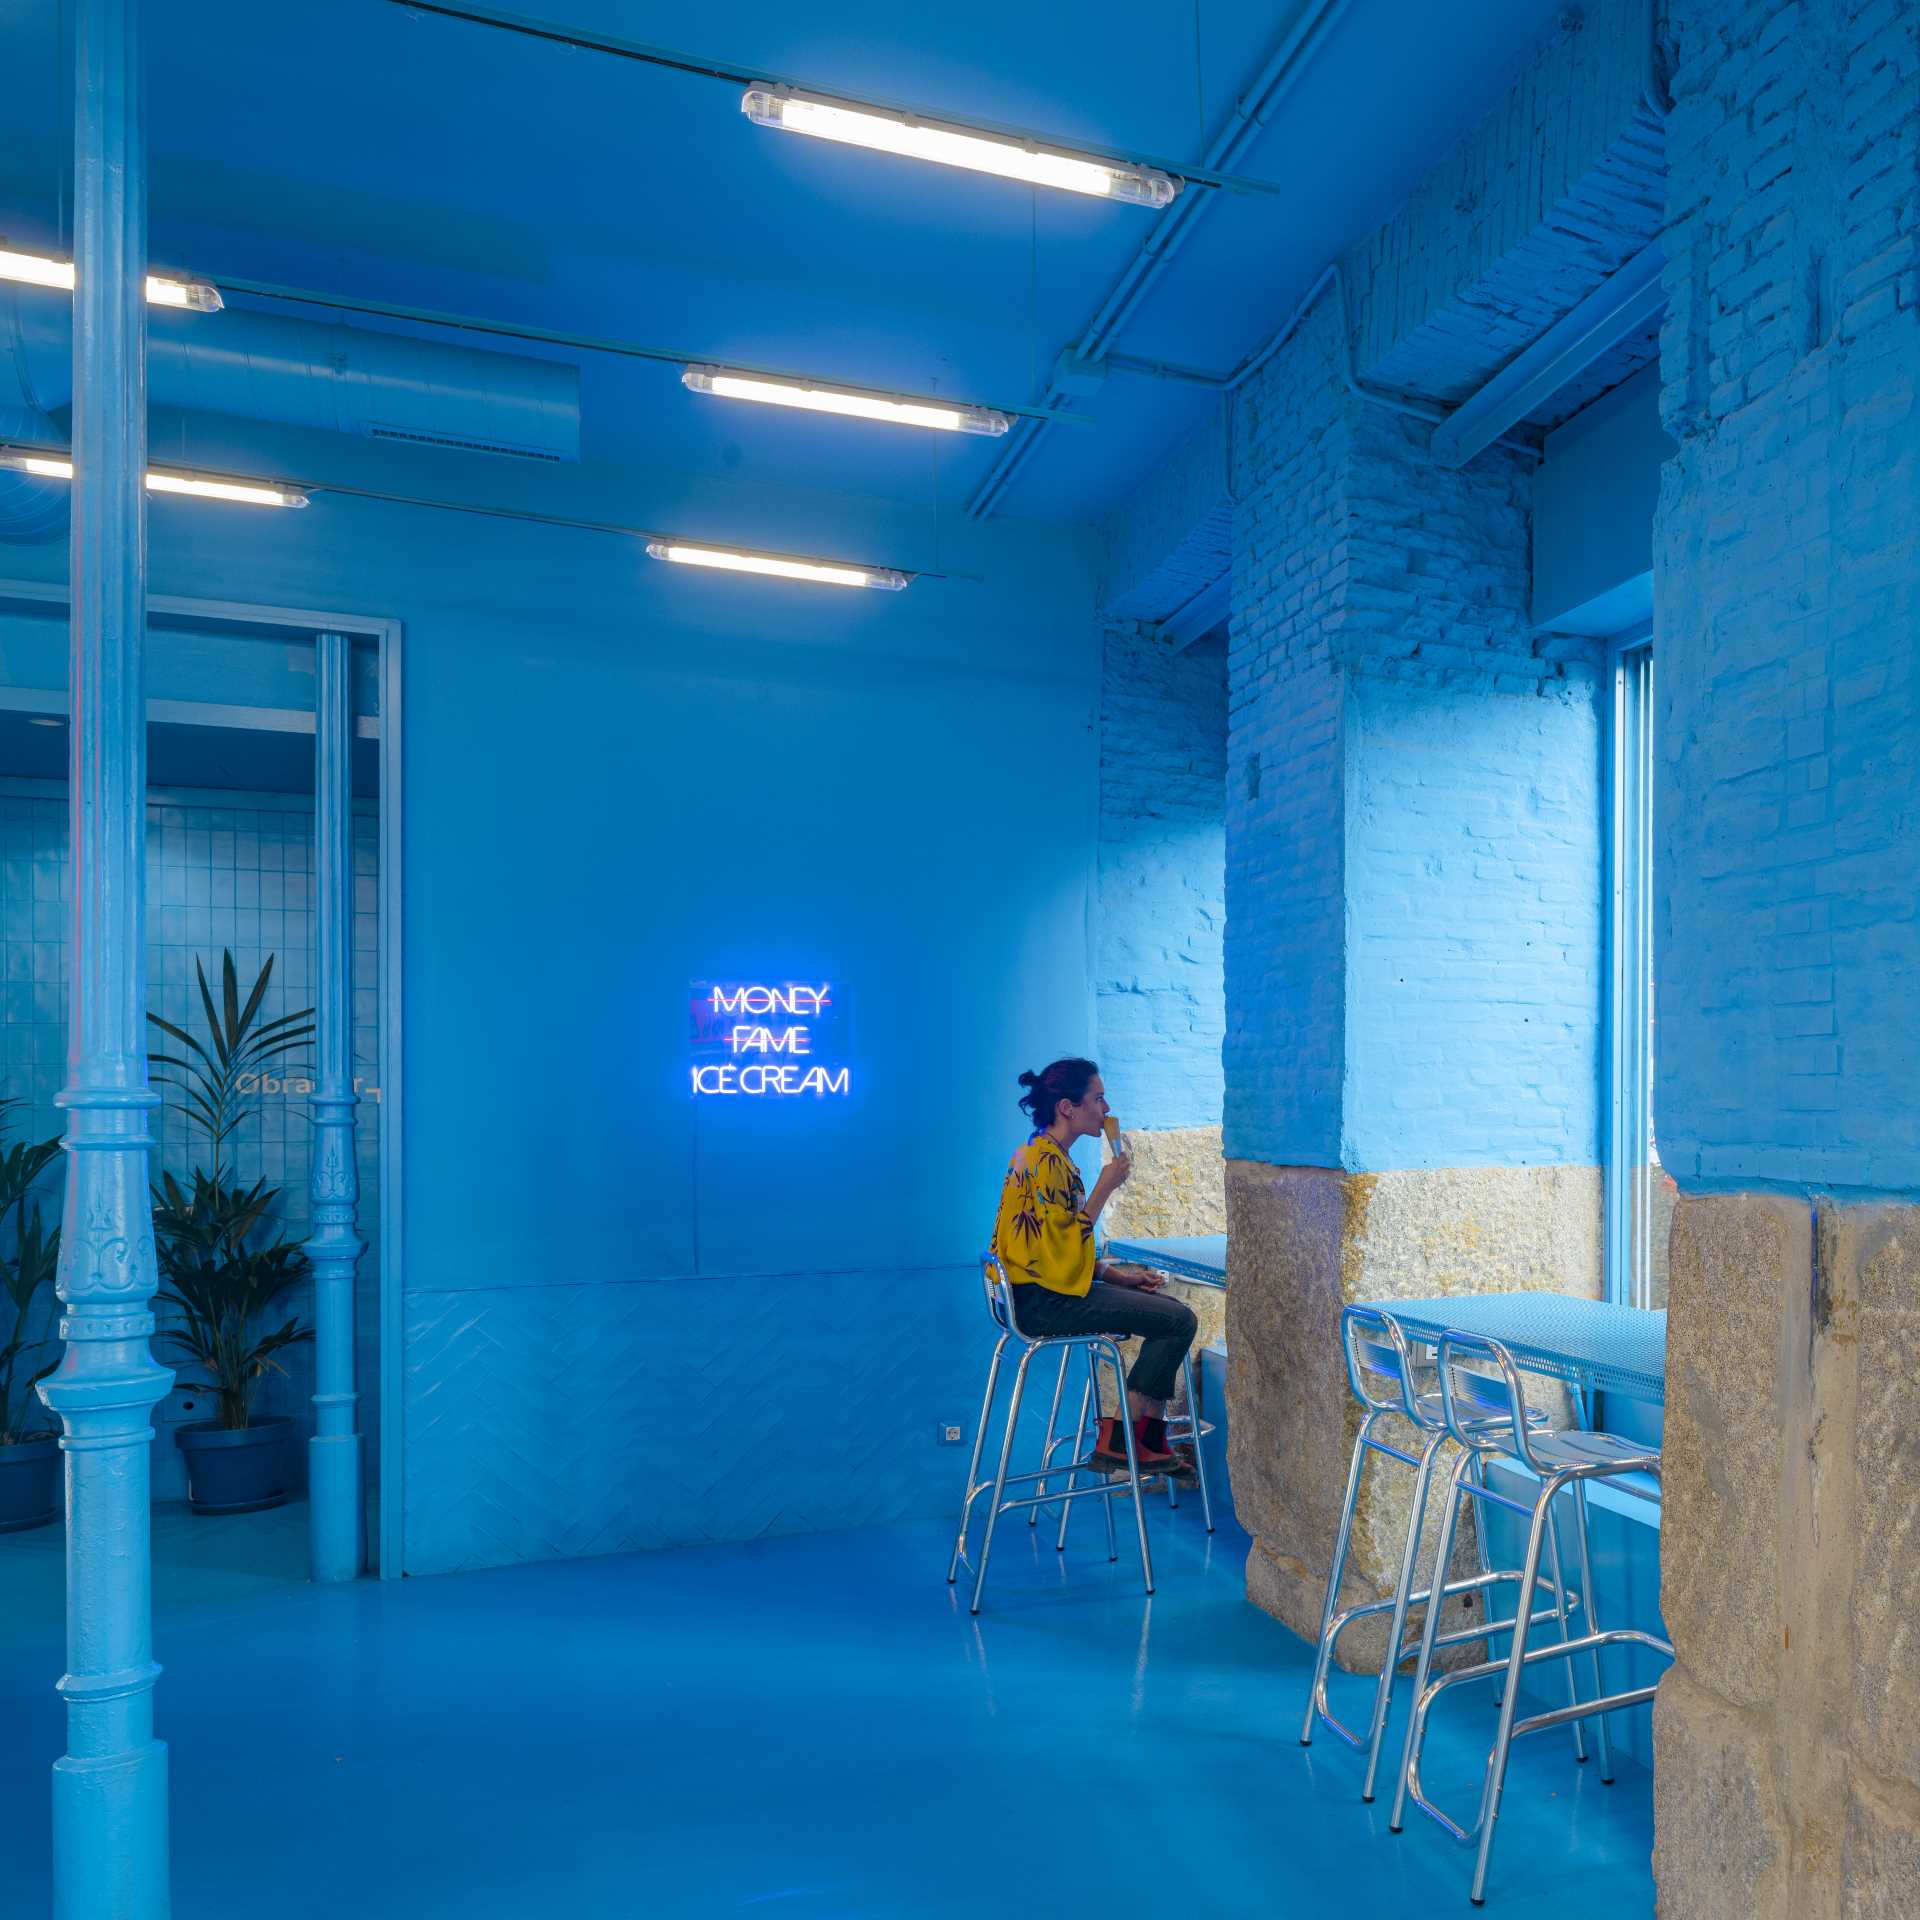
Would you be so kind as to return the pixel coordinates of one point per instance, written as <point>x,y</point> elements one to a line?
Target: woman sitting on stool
<point>1044,1238</point>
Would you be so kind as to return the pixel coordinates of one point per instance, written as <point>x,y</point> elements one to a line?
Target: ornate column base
<point>123,1795</point>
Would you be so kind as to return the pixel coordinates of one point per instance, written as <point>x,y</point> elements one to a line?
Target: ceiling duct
<point>296,373</point>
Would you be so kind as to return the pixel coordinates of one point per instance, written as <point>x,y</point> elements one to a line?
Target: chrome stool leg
<point>1397,1620</point>
<point>1430,1632</point>
<point>1075,1442</point>
<point>973,1465</point>
<point>1503,1739</point>
<point>1592,1620</point>
<point>1053,1417</point>
<point>1133,1463</point>
<point>1000,1478</point>
<point>1560,1611</point>
<point>1324,1650</point>
<point>1199,1455</point>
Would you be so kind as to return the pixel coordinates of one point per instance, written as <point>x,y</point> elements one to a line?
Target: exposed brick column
<point>1787,1736</point>
<point>1413,931</point>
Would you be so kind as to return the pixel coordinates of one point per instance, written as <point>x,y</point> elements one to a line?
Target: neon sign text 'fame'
<point>786,1019</point>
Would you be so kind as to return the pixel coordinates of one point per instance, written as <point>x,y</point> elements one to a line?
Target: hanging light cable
<point>884,130</point>
<point>163,290</point>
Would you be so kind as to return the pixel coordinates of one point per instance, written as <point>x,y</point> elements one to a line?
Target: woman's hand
<point>1123,1273</point>
<point>1113,1176</point>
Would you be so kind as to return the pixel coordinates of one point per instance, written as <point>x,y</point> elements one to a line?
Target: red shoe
<point>1182,1457</point>
<point>1110,1451</point>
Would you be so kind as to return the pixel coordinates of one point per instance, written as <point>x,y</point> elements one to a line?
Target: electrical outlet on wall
<point>948,1433</point>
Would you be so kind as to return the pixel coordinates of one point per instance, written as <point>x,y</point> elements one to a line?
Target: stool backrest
<point>1481,1398</point>
<point>1380,1364</point>
<point>999,1290</point>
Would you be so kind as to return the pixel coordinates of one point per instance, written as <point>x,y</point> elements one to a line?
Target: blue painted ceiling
<point>365,150</point>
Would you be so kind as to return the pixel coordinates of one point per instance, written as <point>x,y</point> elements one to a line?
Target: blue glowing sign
<point>766,1039</point>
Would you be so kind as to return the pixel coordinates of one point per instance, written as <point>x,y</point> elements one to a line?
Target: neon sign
<point>762,1039</point>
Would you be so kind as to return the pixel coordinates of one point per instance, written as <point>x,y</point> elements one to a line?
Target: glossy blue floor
<point>809,1726</point>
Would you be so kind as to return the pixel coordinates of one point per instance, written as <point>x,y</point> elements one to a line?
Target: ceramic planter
<point>237,1469</point>
<point>29,1484</point>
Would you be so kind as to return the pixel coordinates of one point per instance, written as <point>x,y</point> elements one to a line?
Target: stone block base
<point>1177,1186</point>
<point>1303,1243</point>
<point>1787,1735</point>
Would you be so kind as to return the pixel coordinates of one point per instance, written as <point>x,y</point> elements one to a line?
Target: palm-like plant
<point>24,1271</point>
<point>222,1265</point>
<point>215,1101</point>
<point>221,1280</point>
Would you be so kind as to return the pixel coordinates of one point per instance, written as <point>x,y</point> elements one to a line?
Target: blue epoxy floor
<point>808,1727</point>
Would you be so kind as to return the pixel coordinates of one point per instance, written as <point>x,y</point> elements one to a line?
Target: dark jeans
<point>1166,1326</point>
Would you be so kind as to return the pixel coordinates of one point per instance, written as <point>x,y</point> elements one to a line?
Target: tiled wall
<point>224,870</point>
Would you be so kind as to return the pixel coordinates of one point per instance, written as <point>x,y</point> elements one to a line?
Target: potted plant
<point>223,1261</point>
<point>29,1451</point>
<point>222,1266</point>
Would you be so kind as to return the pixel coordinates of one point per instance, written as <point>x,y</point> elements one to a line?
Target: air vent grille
<point>463,446</point>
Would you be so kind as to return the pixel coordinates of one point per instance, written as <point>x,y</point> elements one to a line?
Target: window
<point>1638,1194</point>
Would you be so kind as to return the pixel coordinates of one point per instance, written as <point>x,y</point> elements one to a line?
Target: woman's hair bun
<point>1063,1080</point>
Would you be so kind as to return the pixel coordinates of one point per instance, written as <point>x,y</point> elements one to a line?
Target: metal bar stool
<point>1182,1428</point>
<point>1099,1348</point>
<point>1388,1378</point>
<point>1550,1462</point>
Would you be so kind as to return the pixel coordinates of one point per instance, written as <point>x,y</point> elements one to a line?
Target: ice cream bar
<point>1112,1127</point>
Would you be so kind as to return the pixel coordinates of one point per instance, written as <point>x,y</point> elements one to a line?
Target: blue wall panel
<point>622,777</point>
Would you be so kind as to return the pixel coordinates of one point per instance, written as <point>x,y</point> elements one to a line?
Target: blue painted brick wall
<point>1474,901</point>
<point>1159,983</point>
<point>1788,586</point>
<point>1286,865</point>
<point>1415,810</point>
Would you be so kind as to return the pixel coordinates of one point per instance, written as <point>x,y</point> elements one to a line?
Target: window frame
<point>1627,1144</point>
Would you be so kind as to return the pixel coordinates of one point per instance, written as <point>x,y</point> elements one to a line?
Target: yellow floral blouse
<point>1042,1233</point>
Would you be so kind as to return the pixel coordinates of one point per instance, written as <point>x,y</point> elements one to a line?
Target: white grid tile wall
<point>224,871</point>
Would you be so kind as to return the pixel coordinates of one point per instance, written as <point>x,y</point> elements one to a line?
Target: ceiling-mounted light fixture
<point>784,566</point>
<point>36,270</point>
<point>899,408</point>
<point>202,486</point>
<point>886,131</point>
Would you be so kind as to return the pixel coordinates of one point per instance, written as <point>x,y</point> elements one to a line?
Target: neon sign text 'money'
<point>737,1026</point>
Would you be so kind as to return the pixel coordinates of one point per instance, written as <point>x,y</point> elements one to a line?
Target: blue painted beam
<point>1201,614</point>
<point>1617,308</point>
<point>336,1510</point>
<point>110,1788</point>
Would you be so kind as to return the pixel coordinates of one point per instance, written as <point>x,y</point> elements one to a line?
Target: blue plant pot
<point>29,1484</point>
<point>238,1469</point>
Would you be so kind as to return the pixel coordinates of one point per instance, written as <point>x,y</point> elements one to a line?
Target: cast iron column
<point>336,1515</point>
<point>110,1789</point>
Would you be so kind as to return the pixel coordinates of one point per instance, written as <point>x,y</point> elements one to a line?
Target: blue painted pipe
<point>305,373</point>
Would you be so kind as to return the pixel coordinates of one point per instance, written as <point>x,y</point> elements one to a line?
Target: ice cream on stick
<point>1112,1129</point>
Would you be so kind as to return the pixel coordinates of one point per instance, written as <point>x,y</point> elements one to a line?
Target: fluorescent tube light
<point>782,565</point>
<point>35,270</point>
<point>814,398</point>
<point>885,131</point>
<point>250,493</point>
